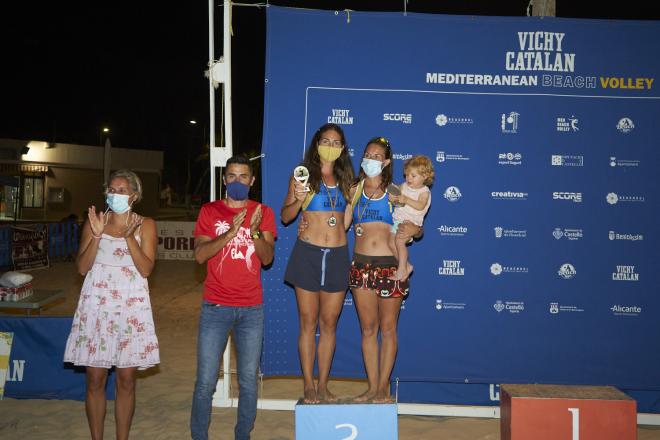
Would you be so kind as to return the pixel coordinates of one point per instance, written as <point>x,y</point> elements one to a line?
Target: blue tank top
<point>374,210</point>
<point>323,200</point>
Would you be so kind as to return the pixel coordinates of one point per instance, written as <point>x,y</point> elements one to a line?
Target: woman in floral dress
<point>113,324</point>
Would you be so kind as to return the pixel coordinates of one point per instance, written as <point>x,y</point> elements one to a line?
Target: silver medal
<point>332,221</point>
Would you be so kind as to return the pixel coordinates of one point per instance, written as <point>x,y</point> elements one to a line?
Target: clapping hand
<point>134,221</point>
<point>255,220</point>
<point>96,221</point>
<point>237,222</point>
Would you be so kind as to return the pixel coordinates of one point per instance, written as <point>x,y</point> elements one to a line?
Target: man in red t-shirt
<point>235,237</point>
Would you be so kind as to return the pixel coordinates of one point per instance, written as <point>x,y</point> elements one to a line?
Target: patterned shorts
<point>373,272</point>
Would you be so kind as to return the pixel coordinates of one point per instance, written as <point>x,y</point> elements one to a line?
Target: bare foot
<point>310,396</point>
<point>365,397</point>
<point>326,396</point>
<point>381,397</point>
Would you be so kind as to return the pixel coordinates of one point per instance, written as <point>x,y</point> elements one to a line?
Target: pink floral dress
<point>113,324</point>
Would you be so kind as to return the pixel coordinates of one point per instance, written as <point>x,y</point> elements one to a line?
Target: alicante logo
<point>567,271</point>
<point>452,193</point>
<point>625,125</point>
<point>496,269</point>
<point>498,306</point>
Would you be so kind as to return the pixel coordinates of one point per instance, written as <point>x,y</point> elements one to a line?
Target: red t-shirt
<point>233,274</point>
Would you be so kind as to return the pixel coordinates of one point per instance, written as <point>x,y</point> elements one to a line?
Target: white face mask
<point>371,167</point>
<point>118,203</point>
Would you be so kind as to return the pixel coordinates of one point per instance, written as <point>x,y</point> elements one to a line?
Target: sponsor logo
<point>509,306</point>
<point>451,268</point>
<point>619,310</point>
<point>452,193</point>
<point>569,234</point>
<point>453,231</point>
<point>625,273</point>
<point>497,269</point>
<point>351,152</point>
<point>509,122</point>
<point>556,308</point>
<point>559,160</point>
<point>340,116</point>
<point>405,118</point>
<point>614,198</point>
<point>401,156</point>
<point>509,195</point>
<point>627,237</point>
<point>440,305</point>
<point>614,162</point>
<point>625,125</point>
<point>500,232</point>
<point>561,195</point>
<point>441,120</point>
<point>509,159</point>
<point>348,301</point>
<point>567,125</point>
<point>567,271</point>
<point>441,156</point>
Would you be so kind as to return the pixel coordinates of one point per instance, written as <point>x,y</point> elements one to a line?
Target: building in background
<point>46,181</point>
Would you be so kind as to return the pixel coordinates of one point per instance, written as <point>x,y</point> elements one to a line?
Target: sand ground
<point>164,393</point>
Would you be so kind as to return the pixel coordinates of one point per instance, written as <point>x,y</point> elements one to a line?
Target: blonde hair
<point>133,181</point>
<point>423,165</point>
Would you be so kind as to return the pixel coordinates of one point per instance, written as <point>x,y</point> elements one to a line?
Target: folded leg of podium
<point>551,412</point>
<point>346,421</point>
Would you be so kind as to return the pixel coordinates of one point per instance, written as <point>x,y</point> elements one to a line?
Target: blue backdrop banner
<point>537,264</point>
<point>36,369</point>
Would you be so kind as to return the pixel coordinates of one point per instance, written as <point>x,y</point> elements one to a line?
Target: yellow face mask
<point>329,154</point>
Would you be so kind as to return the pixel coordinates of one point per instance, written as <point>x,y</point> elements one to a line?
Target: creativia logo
<point>441,120</point>
<point>567,124</point>
<point>567,271</point>
<point>452,193</point>
<point>625,125</point>
<point>509,122</point>
<point>405,118</point>
<point>496,269</point>
<point>612,198</point>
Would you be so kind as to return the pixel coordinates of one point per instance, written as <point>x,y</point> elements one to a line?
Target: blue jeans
<point>215,323</point>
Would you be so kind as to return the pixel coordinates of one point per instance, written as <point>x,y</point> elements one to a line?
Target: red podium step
<point>566,412</point>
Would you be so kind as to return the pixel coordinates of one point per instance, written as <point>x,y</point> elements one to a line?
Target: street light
<point>104,131</point>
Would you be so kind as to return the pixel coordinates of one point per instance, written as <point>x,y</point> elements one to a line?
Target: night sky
<point>138,68</point>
